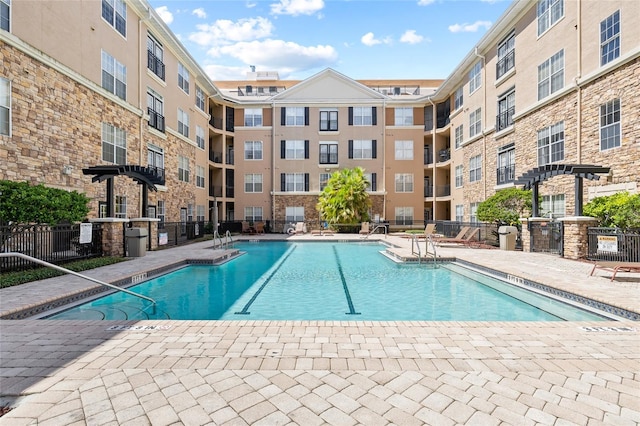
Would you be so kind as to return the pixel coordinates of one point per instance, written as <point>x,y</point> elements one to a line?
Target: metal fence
<point>488,231</point>
<point>614,244</point>
<point>546,237</point>
<point>179,233</point>
<point>54,244</point>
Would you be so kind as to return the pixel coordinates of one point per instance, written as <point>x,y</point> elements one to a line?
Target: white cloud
<point>411,37</point>
<point>224,31</point>
<point>369,39</point>
<point>199,12</point>
<point>297,7</point>
<point>425,2</point>
<point>165,15</point>
<point>469,28</point>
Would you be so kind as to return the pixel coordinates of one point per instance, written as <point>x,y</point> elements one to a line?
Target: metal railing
<point>505,119</point>
<point>505,174</point>
<point>415,243</point>
<point>613,244</point>
<point>546,237</point>
<point>375,229</point>
<point>178,233</point>
<point>67,271</point>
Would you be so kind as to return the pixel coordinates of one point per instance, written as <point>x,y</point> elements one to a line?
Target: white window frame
<point>458,98</point>
<point>253,117</point>
<point>610,38</point>
<point>114,144</point>
<point>114,76</point>
<point>324,180</point>
<point>200,213</point>
<point>475,77</point>
<point>459,173</point>
<point>506,162</point>
<point>551,75</point>
<point>5,17</point>
<point>5,107</point>
<point>475,168</point>
<point>506,110</point>
<point>183,169</point>
<point>253,214</point>
<point>404,182</point>
<point>551,144</point>
<point>475,122</point>
<point>458,136</point>
<point>404,150</point>
<point>118,9</point>
<point>183,78</point>
<point>200,98</point>
<point>294,116</point>
<point>183,123</point>
<point>253,150</point>
<point>361,151</point>
<point>121,206</point>
<point>200,141</point>
<point>161,211</point>
<point>610,125</point>
<point>404,215</point>
<point>473,212</point>
<point>362,116</point>
<point>294,214</point>
<point>253,183</point>
<point>155,156</point>
<point>553,206</point>
<point>459,212</point>
<point>294,182</point>
<point>157,50</point>
<point>403,116</point>
<point>294,150</point>
<point>506,48</point>
<point>549,12</point>
<point>200,177</point>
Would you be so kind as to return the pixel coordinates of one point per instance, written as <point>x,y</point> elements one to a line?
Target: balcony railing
<point>443,190</point>
<point>506,174</point>
<point>505,119</point>
<point>428,191</point>
<point>444,155</point>
<point>230,157</point>
<point>216,122</point>
<point>156,120</point>
<point>215,157</point>
<point>506,63</point>
<point>215,191</point>
<point>155,64</point>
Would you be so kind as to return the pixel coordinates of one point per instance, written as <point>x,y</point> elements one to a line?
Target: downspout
<point>141,96</point>
<point>384,158</point>
<point>434,115</point>
<point>484,122</point>
<point>273,166</point>
<point>577,83</point>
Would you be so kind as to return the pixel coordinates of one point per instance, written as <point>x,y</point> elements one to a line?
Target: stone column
<point>576,238</point>
<point>112,235</point>
<point>151,225</point>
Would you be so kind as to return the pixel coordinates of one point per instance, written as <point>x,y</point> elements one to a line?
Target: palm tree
<point>345,199</point>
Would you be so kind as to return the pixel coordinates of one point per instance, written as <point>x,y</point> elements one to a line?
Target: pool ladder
<point>416,244</point>
<point>223,243</point>
<point>383,227</point>
<point>67,271</point>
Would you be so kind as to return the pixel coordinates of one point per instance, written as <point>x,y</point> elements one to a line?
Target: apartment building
<point>105,86</point>
<point>553,82</point>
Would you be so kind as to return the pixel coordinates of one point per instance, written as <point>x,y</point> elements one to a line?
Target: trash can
<point>136,241</point>
<point>508,235</point>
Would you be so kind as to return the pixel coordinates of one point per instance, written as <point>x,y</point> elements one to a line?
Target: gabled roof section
<point>328,85</point>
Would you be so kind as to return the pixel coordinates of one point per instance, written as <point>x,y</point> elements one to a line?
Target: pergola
<point>148,177</point>
<point>533,177</point>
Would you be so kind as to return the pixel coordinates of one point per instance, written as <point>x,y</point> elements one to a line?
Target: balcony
<point>505,119</point>
<point>215,191</point>
<point>505,64</point>
<point>215,157</point>
<point>444,155</point>
<point>155,64</point>
<point>216,122</point>
<point>443,190</point>
<point>506,174</point>
<point>156,120</point>
<point>428,191</point>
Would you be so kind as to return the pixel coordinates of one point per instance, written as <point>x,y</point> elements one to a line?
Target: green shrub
<point>619,210</point>
<point>506,206</point>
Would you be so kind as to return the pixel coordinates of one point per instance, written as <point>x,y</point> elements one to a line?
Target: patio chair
<point>460,235</point>
<point>468,239</point>
<point>259,227</point>
<point>615,267</point>
<point>364,228</point>
<point>300,228</point>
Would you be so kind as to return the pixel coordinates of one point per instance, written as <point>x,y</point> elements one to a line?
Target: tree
<point>345,199</point>
<point>23,203</point>
<point>506,206</point>
<point>619,210</point>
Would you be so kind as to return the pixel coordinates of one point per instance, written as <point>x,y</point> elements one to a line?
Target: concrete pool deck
<point>324,372</point>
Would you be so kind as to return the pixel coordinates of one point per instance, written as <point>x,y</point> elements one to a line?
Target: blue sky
<point>363,39</point>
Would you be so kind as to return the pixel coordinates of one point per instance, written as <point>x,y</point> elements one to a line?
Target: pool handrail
<point>67,271</point>
<point>414,239</point>
<point>375,228</point>
<point>433,245</point>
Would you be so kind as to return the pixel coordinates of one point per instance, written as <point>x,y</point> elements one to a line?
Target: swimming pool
<point>326,281</point>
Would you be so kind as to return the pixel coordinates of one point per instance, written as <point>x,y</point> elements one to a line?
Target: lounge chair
<point>300,228</point>
<point>615,267</point>
<point>327,232</point>
<point>467,239</point>
<point>259,227</point>
<point>364,228</point>
<point>430,229</point>
<point>246,229</point>
<point>460,235</point>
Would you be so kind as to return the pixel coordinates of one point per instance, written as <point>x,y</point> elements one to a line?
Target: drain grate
<point>608,329</point>
<point>138,327</point>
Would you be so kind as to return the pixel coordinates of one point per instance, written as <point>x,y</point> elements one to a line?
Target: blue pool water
<point>326,281</point>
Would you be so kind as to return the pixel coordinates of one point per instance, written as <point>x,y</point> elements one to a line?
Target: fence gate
<point>546,237</point>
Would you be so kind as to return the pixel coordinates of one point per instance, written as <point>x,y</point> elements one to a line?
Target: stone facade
<point>576,237</point>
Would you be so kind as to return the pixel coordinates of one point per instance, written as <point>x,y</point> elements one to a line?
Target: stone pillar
<point>112,235</point>
<point>151,225</point>
<point>576,238</point>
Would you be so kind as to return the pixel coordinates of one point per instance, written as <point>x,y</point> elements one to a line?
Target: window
<point>155,56</point>
<point>253,150</point>
<point>121,206</point>
<point>404,182</point>
<point>200,137</point>
<point>5,107</point>
<point>362,149</point>
<point>199,176</point>
<point>506,110</point>
<point>295,116</point>
<point>155,157</point>
<point>549,12</point>
<point>404,215</point>
<point>506,55</point>
<point>189,212</point>
<point>458,136</point>
<point>403,116</point>
<point>475,77</point>
<point>372,182</point>
<point>253,182</point>
<point>553,206</point>
<point>155,109</point>
<point>253,117</point>
<point>183,78</point>
<point>362,116</point>
<point>473,212</point>
<point>475,122</point>
<point>253,214</point>
<point>610,38</point>
<point>200,213</point>
<point>324,180</point>
<point>506,172</point>
<point>115,13</point>
<point>183,123</point>
<point>294,182</point>
<point>161,211</point>
<point>328,120</point>
<point>328,153</point>
<point>458,98</point>
<point>475,168</point>
<point>200,98</point>
<point>294,214</point>
<point>459,176</point>
<point>183,169</point>
<point>610,125</point>
<point>404,150</point>
<point>5,15</point>
<point>114,76</point>
<point>551,75</point>
<point>295,150</point>
<point>551,144</point>
<point>459,213</point>
<point>114,144</point>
